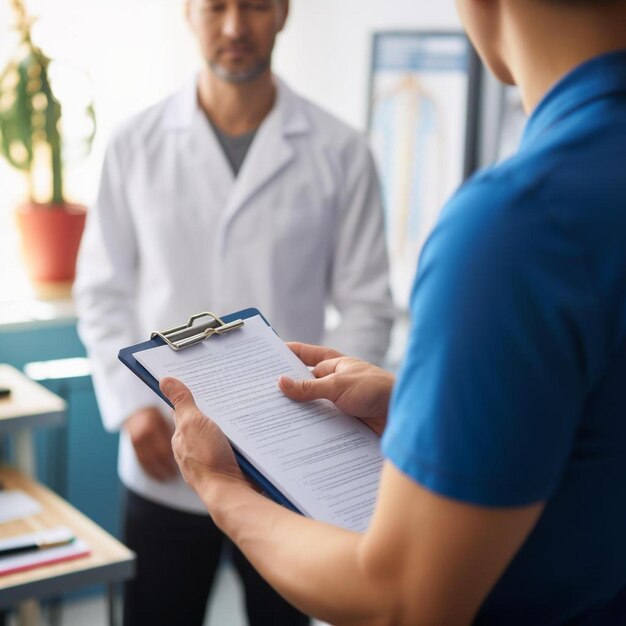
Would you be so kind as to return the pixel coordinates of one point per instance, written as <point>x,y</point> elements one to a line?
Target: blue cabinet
<point>79,460</point>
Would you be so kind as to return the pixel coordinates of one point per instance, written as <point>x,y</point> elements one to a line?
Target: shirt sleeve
<point>359,280</point>
<point>492,387</point>
<point>105,292</point>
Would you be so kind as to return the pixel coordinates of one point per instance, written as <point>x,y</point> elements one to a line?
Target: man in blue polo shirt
<point>502,499</point>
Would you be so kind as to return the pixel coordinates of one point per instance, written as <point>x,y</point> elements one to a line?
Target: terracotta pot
<point>50,239</point>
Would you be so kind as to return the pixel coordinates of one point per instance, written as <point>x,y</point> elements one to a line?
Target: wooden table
<point>110,562</point>
<point>29,406</point>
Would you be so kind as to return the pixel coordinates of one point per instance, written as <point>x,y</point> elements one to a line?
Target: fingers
<point>326,368</point>
<point>309,389</point>
<point>157,468</point>
<point>163,450</point>
<point>178,394</point>
<point>310,354</point>
<point>155,453</point>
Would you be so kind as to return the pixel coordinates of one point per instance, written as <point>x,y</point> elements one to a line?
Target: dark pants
<point>177,557</point>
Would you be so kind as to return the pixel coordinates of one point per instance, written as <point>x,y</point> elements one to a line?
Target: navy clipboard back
<point>126,356</point>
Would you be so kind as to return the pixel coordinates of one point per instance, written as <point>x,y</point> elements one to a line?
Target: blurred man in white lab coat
<point>234,192</point>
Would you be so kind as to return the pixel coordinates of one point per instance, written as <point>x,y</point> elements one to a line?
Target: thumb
<point>177,393</point>
<point>307,389</point>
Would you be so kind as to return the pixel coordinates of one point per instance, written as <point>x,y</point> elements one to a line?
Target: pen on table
<point>35,546</point>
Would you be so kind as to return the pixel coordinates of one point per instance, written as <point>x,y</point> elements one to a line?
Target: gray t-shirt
<point>235,148</point>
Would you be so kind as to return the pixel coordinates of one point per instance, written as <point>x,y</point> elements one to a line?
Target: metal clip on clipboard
<point>190,334</point>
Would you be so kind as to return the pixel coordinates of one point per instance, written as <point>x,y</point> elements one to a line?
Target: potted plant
<point>31,139</point>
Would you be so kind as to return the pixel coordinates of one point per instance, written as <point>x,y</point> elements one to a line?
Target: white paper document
<point>37,558</point>
<point>326,463</point>
<point>15,504</point>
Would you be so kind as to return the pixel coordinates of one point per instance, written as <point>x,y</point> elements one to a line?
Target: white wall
<point>325,51</point>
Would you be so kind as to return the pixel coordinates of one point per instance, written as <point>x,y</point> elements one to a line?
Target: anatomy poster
<point>417,123</point>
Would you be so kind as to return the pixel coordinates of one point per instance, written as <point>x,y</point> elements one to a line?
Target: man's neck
<point>545,42</point>
<point>236,108</point>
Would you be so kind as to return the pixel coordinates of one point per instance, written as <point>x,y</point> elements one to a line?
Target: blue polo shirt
<point>513,388</point>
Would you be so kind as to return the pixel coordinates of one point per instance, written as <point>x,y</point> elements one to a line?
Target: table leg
<point>55,612</point>
<point>25,452</point>
<point>29,613</point>
<point>113,605</point>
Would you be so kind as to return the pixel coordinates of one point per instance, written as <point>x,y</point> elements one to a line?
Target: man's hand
<point>356,387</point>
<point>201,449</point>
<point>150,434</point>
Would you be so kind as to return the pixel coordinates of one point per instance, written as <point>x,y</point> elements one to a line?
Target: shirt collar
<point>183,108</point>
<point>594,79</point>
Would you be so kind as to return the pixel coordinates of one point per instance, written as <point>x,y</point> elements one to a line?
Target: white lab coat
<point>173,233</point>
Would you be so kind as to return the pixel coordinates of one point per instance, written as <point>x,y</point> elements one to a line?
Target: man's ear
<point>283,14</point>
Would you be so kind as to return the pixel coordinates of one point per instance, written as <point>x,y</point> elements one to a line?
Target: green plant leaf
<point>27,121</point>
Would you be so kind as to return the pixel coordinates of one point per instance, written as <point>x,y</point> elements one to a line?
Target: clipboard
<point>189,334</point>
